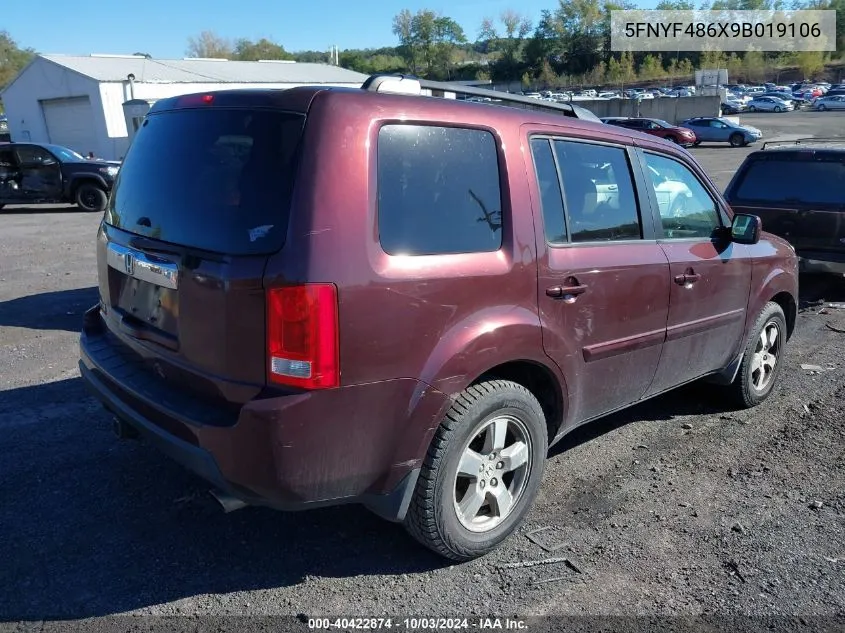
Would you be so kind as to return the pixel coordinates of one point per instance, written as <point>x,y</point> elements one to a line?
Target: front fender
<point>75,179</point>
<point>777,280</point>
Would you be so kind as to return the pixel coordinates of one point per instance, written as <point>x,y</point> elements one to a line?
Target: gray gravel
<point>676,507</point>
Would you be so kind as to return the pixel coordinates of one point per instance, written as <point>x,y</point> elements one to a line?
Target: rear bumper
<point>289,452</point>
<point>825,263</point>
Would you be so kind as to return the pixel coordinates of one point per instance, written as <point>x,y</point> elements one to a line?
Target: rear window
<point>214,179</point>
<point>785,180</point>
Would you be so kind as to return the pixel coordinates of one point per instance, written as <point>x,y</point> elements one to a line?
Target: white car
<point>769,104</point>
<point>672,195</point>
<point>829,103</point>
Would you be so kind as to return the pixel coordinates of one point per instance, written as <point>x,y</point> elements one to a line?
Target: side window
<point>686,208</point>
<point>31,155</point>
<point>550,196</point>
<point>438,190</point>
<point>598,192</point>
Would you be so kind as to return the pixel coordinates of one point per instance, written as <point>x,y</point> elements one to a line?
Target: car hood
<point>753,130</point>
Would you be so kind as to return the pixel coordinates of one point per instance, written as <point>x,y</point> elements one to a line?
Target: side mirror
<point>745,228</point>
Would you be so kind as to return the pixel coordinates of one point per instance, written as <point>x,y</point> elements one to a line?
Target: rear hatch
<point>202,200</point>
<point>797,193</point>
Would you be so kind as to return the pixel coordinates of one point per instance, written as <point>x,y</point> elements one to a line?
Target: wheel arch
<point>541,381</point>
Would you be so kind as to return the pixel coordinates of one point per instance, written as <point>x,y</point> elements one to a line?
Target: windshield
<point>65,154</point>
<point>662,123</point>
<point>784,180</point>
<point>216,179</point>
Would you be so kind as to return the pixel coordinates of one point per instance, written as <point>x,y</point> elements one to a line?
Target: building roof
<point>147,70</point>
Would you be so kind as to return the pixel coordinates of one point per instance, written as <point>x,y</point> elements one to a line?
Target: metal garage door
<point>70,122</point>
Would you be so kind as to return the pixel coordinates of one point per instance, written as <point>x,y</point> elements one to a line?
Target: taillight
<point>302,336</point>
<point>195,100</point>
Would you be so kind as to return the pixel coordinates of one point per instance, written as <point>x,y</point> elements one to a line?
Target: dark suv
<point>321,296</point>
<point>797,191</point>
<point>33,173</point>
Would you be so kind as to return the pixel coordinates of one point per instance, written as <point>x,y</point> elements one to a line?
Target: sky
<point>162,27</point>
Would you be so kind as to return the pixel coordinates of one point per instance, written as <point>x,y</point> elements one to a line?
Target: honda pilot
<point>322,296</point>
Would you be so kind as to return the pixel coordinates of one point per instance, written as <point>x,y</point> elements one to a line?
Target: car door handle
<point>562,292</point>
<point>687,278</point>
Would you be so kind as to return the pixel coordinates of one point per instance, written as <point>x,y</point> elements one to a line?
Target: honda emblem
<point>129,263</point>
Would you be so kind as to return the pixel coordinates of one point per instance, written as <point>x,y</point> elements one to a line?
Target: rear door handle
<point>561,292</point>
<point>687,278</point>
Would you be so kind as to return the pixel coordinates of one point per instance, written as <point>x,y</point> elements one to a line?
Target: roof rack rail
<point>808,140</point>
<point>411,85</point>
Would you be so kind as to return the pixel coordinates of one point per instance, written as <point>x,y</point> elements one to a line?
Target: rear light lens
<point>302,336</point>
<point>195,100</point>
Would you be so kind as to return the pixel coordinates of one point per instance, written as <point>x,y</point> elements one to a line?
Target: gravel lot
<point>676,507</point>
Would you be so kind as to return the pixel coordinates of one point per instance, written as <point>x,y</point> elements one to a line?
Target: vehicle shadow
<point>97,526</point>
<point>32,209</point>
<point>816,289</point>
<point>59,310</point>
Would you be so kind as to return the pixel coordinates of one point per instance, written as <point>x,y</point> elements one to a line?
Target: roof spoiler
<point>410,85</point>
<point>808,139</point>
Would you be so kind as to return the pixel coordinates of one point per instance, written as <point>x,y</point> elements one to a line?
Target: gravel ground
<point>678,507</point>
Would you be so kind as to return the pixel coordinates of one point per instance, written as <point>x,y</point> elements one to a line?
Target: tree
<point>810,63</point>
<point>249,51</point>
<point>12,58</point>
<point>652,67</point>
<point>428,41</point>
<point>209,44</point>
<point>546,45</point>
<point>508,41</point>
<point>403,28</point>
<point>753,66</point>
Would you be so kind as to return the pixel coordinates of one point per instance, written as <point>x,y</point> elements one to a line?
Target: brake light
<point>302,336</point>
<point>192,100</point>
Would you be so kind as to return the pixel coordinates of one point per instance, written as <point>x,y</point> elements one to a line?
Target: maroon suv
<point>321,296</point>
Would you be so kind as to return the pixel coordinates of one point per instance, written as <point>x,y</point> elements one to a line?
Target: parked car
<point>797,191</point>
<point>788,97</point>
<point>5,136</point>
<point>769,104</point>
<point>836,102</point>
<point>719,130</point>
<point>655,127</point>
<point>33,173</point>
<point>255,314</point>
<point>732,106</point>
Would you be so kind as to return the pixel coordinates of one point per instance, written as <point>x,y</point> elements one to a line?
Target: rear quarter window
<point>215,179</point>
<point>438,190</point>
<point>787,180</point>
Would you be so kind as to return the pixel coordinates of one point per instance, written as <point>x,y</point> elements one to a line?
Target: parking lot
<point>680,506</point>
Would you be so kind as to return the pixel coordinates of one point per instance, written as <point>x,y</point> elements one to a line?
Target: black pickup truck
<point>33,173</point>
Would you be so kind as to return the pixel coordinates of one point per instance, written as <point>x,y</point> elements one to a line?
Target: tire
<point>433,517</point>
<point>90,197</point>
<point>778,109</point>
<point>748,390</point>
<point>696,143</point>
<point>736,140</point>
<point>822,107</point>
<point>752,108</point>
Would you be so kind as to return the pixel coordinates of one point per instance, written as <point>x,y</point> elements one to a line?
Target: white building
<point>85,103</point>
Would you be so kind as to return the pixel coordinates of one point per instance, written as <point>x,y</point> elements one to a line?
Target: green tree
<point>652,67</point>
<point>209,44</point>
<point>428,41</point>
<point>12,58</point>
<point>810,63</point>
<point>753,66</point>
<point>249,51</point>
<point>403,29</point>
<point>546,44</point>
<point>508,40</point>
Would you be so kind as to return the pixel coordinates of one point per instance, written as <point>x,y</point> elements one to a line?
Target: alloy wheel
<point>493,473</point>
